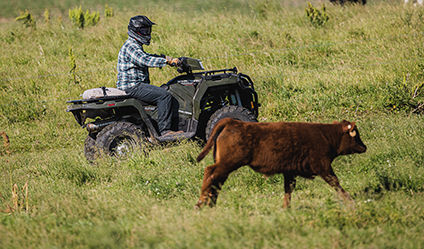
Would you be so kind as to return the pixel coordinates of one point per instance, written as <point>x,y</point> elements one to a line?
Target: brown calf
<point>293,149</point>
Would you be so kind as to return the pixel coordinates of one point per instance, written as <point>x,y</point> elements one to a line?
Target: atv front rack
<point>207,73</point>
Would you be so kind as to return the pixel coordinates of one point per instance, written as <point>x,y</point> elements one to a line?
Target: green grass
<point>364,65</point>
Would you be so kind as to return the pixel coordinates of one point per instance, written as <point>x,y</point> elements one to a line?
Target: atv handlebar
<point>187,65</point>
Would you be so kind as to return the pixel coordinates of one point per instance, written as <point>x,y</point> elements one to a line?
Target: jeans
<point>166,104</point>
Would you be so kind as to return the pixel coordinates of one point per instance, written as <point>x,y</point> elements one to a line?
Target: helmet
<point>140,28</point>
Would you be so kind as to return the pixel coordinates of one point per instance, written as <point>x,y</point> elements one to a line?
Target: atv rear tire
<point>232,111</point>
<point>120,138</point>
<point>91,151</point>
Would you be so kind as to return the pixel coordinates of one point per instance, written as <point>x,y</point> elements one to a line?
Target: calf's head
<point>350,141</point>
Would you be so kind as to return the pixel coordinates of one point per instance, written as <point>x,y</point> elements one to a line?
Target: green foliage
<point>82,19</point>
<point>91,18</point>
<point>76,15</point>
<point>317,17</point>
<point>108,11</point>
<point>27,19</point>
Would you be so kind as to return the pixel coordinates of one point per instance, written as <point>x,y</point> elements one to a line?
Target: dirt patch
<point>6,20</point>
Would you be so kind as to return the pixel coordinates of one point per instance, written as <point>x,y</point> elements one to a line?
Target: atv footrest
<point>176,137</point>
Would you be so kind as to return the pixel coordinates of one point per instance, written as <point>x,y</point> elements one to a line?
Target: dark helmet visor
<point>144,30</point>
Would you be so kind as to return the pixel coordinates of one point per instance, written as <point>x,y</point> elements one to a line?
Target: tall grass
<point>365,65</point>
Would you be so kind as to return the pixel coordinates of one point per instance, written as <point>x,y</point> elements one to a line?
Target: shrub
<point>77,17</point>
<point>317,17</point>
<point>81,19</point>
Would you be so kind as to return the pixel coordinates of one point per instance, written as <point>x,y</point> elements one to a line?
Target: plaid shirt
<point>133,64</point>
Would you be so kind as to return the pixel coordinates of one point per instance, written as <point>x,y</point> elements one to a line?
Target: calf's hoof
<point>350,204</point>
<point>199,205</point>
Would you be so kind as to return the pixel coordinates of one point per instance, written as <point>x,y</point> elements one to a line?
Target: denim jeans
<point>166,104</point>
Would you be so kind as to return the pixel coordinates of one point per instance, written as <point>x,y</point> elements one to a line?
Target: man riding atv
<point>133,73</point>
<point>139,115</point>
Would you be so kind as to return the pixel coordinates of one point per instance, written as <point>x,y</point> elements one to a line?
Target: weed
<point>109,11</point>
<point>73,67</point>
<point>317,17</point>
<point>46,15</point>
<point>19,200</point>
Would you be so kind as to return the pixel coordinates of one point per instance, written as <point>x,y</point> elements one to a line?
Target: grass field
<point>366,64</point>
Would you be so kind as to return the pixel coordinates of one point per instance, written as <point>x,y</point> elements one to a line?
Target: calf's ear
<point>348,126</point>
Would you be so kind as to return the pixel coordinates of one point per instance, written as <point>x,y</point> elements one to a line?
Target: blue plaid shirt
<point>133,64</point>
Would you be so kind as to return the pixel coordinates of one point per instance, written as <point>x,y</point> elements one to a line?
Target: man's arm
<point>140,58</point>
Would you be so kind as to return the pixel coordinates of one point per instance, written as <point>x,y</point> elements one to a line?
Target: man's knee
<point>166,97</point>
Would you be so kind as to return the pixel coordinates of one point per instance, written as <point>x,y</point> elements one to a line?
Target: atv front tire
<point>120,138</point>
<point>232,111</point>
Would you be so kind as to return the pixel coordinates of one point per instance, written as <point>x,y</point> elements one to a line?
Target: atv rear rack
<point>99,99</point>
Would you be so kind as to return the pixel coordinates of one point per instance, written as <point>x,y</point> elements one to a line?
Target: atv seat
<point>102,92</point>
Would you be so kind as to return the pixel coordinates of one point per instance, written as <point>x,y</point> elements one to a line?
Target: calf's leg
<point>332,180</point>
<point>289,185</point>
<point>214,177</point>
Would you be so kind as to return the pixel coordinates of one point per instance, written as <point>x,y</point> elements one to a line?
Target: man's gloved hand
<point>172,61</point>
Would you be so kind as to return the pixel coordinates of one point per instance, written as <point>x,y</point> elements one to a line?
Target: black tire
<point>91,151</point>
<point>231,111</point>
<point>121,138</point>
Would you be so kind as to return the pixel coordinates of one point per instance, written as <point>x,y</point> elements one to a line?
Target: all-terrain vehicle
<point>116,122</point>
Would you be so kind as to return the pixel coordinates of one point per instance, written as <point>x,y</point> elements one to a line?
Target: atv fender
<point>80,106</point>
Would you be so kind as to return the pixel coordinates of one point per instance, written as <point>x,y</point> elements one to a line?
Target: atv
<point>117,123</point>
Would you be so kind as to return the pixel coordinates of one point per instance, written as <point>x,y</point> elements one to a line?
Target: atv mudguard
<point>190,89</point>
<point>81,109</point>
<point>238,82</point>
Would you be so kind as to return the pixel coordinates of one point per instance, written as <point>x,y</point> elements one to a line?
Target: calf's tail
<point>212,139</point>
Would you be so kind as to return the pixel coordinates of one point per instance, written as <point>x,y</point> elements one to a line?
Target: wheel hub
<point>123,146</point>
